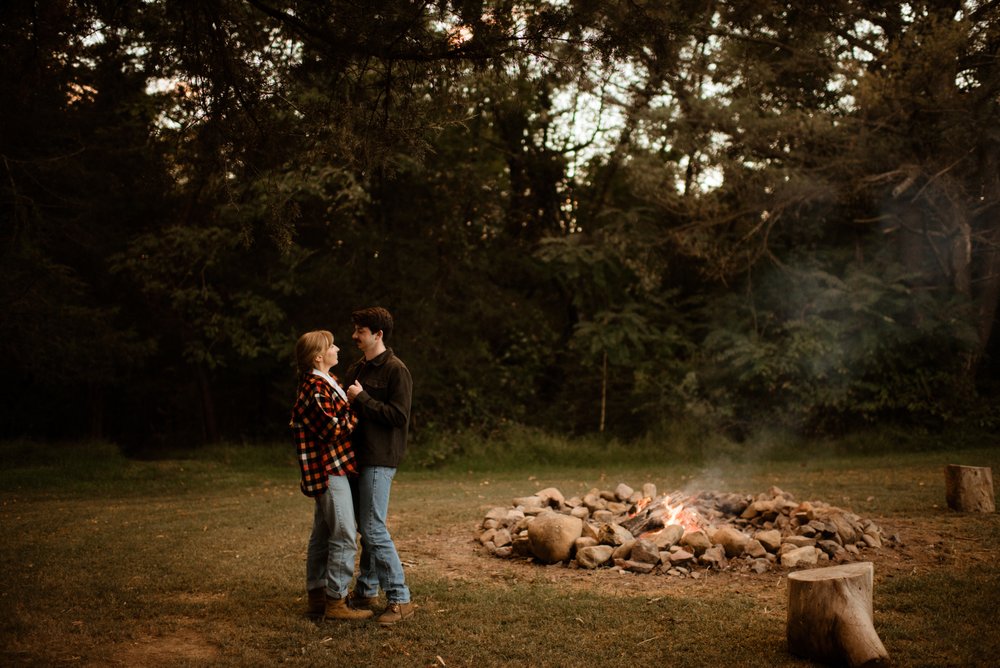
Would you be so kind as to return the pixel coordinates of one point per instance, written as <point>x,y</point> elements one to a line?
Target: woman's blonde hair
<point>308,347</point>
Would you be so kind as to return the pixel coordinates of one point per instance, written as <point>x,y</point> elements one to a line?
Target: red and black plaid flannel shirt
<point>321,424</point>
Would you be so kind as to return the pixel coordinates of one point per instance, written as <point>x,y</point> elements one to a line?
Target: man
<point>380,390</point>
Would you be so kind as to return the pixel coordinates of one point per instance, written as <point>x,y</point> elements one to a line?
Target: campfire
<point>676,534</point>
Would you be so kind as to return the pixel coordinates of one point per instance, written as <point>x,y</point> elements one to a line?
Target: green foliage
<point>824,352</point>
<point>534,190</point>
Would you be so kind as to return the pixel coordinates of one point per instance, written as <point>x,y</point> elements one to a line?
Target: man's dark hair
<point>376,319</point>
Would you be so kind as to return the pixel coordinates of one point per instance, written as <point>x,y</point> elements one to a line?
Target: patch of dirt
<point>184,645</point>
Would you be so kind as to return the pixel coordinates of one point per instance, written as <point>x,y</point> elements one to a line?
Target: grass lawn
<point>173,562</point>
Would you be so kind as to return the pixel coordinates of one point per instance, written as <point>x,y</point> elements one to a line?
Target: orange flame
<point>675,513</point>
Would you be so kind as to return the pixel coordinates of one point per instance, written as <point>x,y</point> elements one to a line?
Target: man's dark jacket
<point>383,409</point>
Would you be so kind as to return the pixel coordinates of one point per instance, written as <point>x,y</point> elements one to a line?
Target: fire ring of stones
<point>676,534</point>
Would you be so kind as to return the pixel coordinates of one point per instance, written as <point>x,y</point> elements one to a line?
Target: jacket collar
<point>379,359</point>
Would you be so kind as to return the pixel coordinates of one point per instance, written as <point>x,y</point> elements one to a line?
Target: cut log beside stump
<point>830,616</point>
<point>969,489</point>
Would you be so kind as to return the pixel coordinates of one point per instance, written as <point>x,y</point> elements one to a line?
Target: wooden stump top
<point>842,571</point>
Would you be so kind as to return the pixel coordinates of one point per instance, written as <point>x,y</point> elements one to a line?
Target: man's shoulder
<point>392,360</point>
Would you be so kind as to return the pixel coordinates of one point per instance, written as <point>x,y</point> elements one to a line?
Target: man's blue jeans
<point>379,565</point>
<point>333,542</point>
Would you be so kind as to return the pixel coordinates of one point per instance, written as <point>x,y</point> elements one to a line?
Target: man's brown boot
<point>336,608</point>
<point>361,602</point>
<point>395,612</point>
<point>317,602</point>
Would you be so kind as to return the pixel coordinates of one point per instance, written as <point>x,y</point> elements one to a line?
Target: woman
<point>322,422</point>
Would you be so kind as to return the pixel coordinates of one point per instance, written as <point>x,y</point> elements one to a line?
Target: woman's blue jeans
<point>333,542</point>
<point>379,564</point>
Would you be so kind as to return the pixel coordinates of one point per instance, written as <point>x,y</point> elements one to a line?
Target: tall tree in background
<point>582,214</point>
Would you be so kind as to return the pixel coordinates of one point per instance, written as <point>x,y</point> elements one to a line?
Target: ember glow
<point>640,506</point>
<point>663,512</point>
<point>678,514</point>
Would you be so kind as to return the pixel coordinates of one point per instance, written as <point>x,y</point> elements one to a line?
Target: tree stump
<point>969,488</point>
<point>830,616</point>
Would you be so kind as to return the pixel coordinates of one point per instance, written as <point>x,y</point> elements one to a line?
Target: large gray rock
<point>714,557</point>
<point>697,541</point>
<point>552,536</point>
<point>594,556</point>
<point>645,550</point>
<point>502,538</point>
<point>623,492</point>
<point>614,534</point>
<point>771,539</point>
<point>669,536</point>
<point>800,556</point>
<point>552,497</point>
<point>732,540</point>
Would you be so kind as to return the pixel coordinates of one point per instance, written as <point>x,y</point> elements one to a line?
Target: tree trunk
<point>95,411</point>
<point>209,424</point>
<point>604,390</point>
<point>830,616</point>
<point>969,488</point>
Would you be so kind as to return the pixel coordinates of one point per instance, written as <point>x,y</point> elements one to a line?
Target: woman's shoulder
<point>311,380</point>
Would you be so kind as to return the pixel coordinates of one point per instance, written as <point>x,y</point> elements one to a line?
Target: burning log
<point>969,488</point>
<point>830,615</point>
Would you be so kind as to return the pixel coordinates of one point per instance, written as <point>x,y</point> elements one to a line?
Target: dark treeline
<point>585,215</point>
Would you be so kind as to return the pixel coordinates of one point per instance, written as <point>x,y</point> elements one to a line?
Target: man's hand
<point>354,390</point>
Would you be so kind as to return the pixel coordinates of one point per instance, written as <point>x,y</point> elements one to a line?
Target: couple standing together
<point>350,438</point>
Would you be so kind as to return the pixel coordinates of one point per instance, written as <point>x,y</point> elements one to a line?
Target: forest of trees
<point>585,215</point>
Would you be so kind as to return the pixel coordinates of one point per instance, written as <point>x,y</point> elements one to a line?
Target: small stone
<point>512,518</point>
<point>832,548</point>
<point>623,550</point>
<point>525,502</point>
<point>798,541</point>
<point>502,538</point>
<point>800,556</point>
<point>552,497</point>
<point>497,513</point>
<point>593,502</point>
<point>755,549</point>
<point>714,557</point>
<point>697,541</point>
<point>645,550</point>
<point>668,536</point>
<point>602,516</point>
<point>623,491</point>
<point>872,540</point>
<point>732,540</point>
<point>680,557</point>
<point>594,556</point>
<point>771,539</point>
<point>614,534</point>
<point>639,566</point>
